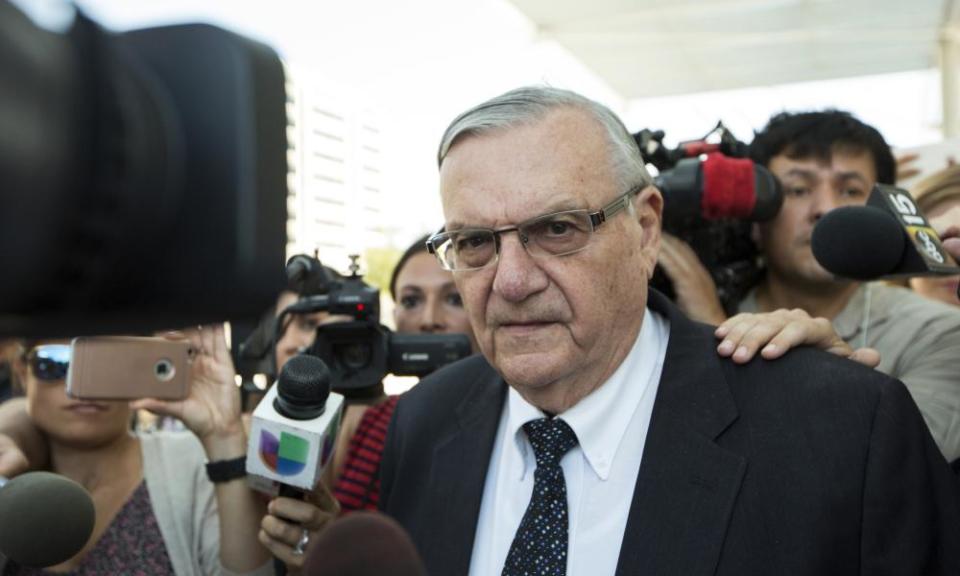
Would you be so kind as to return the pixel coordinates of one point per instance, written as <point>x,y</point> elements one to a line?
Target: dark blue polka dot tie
<point>540,545</point>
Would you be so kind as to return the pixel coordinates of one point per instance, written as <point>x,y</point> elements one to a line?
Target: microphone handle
<point>286,491</point>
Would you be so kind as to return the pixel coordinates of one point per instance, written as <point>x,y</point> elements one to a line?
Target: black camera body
<point>144,177</point>
<point>712,196</point>
<point>361,351</point>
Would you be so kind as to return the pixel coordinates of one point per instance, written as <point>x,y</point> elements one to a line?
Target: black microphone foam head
<point>858,242</point>
<point>45,519</point>
<point>364,544</point>
<point>302,388</point>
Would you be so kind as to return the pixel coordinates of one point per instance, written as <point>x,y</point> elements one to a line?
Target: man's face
<point>551,324</point>
<point>811,189</point>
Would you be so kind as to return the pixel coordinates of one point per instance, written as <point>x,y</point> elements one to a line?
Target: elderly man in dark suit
<point>599,432</point>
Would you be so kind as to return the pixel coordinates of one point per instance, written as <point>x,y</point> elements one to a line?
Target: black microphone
<point>858,242</point>
<point>720,187</point>
<point>45,519</point>
<point>887,238</point>
<point>303,389</point>
<point>363,544</point>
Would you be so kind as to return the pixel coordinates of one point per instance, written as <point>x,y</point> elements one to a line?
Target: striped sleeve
<point>358,487</point>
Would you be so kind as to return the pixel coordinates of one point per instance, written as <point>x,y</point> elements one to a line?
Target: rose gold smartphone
<point>128,367</point>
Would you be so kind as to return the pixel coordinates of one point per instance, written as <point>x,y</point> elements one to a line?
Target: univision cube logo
<point>330,441</point>
<point>287,456</point>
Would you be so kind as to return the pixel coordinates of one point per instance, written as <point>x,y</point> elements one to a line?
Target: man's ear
<point>649,212</point>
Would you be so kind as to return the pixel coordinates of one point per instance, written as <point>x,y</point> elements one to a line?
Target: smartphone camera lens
<point>164,370</point>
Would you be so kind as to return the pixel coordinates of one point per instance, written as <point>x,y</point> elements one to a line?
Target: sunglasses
<point>50,362</point>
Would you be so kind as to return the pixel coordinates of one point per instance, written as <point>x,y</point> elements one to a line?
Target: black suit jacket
<point>810,464</point>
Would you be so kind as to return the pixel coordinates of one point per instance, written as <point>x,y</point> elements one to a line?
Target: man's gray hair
<point>529,104</point>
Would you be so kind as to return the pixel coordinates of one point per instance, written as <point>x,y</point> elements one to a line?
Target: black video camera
<point>712,196</point>
<point>144,176</point>
<point>361,351</point>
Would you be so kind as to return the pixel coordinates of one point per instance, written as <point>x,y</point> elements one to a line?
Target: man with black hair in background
<point>826,160</point>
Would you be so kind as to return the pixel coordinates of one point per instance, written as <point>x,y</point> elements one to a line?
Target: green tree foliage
<point>380,263</point>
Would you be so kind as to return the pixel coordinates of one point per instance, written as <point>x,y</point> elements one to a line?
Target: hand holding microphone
<point>292,437</point>
<point>291,524</point>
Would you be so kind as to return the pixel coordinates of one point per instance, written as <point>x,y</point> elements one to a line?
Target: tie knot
<point>551,438</point>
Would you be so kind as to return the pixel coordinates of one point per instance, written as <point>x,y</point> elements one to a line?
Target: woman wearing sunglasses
<point>157,511</point>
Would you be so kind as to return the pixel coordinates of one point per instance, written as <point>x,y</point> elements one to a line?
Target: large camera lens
<point>355,356</point>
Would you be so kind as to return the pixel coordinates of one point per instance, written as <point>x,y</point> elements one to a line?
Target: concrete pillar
<point>950,78</point>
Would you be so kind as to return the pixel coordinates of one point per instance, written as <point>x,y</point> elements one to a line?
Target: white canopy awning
<point>647,48</point>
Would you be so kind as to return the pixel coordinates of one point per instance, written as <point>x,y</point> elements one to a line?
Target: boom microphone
<point>45,519</point>
<point>887,238</point>
<point>364,544</point>
<point>719,187</point>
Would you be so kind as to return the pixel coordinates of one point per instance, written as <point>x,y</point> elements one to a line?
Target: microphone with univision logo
<point>294,428</point>
<point>294,432</point>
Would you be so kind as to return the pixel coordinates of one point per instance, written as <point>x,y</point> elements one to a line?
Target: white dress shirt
<point>601,471</point>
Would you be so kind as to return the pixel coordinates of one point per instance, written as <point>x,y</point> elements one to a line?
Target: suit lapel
<point>457,494</point>
<point>687,484</point>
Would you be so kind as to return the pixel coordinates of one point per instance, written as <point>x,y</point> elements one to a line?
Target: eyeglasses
<point>556,234</point>
<point>49,362</point>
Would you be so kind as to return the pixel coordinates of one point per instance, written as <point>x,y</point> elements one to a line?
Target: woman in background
<point>427,302</point>
<point>938,197</point>
<point>156,510</point>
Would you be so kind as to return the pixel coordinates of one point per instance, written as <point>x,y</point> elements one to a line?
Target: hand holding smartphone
<point>129,367</point>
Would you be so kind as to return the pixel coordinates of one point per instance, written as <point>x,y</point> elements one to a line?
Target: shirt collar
<point>600,419</point>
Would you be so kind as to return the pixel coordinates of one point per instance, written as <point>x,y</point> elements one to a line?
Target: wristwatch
<point>227,470</point>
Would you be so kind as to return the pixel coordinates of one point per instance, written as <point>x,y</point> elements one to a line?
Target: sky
<point>418,63</point>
